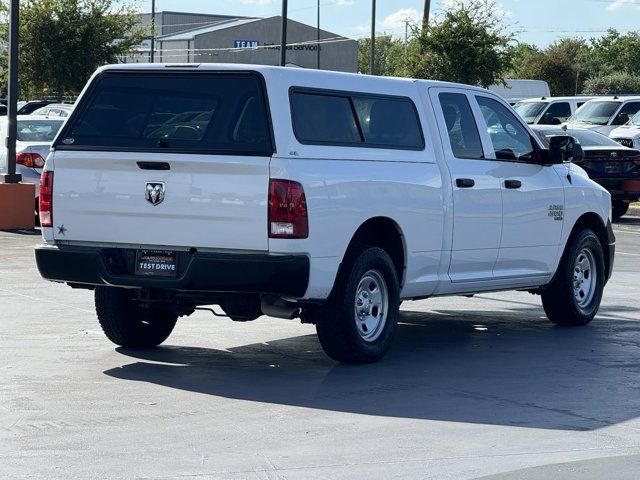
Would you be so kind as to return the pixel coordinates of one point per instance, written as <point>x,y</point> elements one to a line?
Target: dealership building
<point>198,38</point>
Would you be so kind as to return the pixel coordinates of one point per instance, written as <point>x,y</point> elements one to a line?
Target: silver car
<point>54,110</point>
<point>35,134</point>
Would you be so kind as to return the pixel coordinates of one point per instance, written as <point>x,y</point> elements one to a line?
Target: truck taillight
<point>46,199</point>
<point>33,160</point>
<point>287,210</point>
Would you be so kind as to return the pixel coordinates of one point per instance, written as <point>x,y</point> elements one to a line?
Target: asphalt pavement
<point>480,387</point>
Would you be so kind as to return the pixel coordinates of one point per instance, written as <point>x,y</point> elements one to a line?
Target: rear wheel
<point>574,296</point>
<point>357,323</point>
<point>619,209</point>
<point>130,324</point>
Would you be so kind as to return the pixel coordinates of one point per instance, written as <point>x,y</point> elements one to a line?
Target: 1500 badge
<point>556,212</point>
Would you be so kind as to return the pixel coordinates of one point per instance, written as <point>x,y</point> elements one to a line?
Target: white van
<point>604,114</point>
<point>517,90</point>
<point>549,110</point>
<point>320,195</point>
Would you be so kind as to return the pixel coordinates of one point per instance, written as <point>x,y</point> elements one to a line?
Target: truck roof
<point>616,98</point>
<point>295,74</point>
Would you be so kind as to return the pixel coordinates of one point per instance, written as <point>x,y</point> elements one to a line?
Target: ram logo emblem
<point>154,193</point>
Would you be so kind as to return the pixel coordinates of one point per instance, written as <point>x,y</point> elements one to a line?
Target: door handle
<point>465,182</point>
<point>512,183</point>
<point>154,165</point>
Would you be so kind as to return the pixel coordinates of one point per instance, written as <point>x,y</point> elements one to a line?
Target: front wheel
<point>619,209</point>
<point>574,295</point>
<point>357,323</point>
<point>130,324</point>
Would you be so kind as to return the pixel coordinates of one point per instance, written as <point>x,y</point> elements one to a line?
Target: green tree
<point>63,41</point>
<point>612,84</point>
<point>389,56</point>
<point>563,65</point>
<point>469,43</point>
<point>614,52</point>
<point>554,67</point>
<point>520,54</point>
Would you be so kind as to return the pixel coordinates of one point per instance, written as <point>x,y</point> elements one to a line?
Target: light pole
<point>153,30</point>
<point>283,38</point>
<point>372,60</point>
<point>318,44</point>
<point>12,101</point>
<point>425,14</point>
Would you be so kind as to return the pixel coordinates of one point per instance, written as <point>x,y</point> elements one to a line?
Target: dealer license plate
<point>156,263</point>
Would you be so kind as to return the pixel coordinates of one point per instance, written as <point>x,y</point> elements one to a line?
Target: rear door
<point>166,158</point>
<point>477,200</point>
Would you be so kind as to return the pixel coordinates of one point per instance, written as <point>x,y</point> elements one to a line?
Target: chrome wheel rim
<point>584,278</point>
<point>371,305</point>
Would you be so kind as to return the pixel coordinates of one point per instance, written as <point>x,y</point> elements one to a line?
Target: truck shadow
<point>510,367</point>
<point>628,220</point>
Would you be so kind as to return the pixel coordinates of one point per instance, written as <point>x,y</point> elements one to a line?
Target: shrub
<point>612,84</point>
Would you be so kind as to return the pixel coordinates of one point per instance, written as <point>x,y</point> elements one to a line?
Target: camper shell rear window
<point>186,112</point>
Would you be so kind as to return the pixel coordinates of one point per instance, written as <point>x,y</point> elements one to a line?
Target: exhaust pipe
<point>279,308</point>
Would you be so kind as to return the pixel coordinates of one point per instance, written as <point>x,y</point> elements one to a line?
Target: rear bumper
<point>621,189</point>
<point>197,272</point>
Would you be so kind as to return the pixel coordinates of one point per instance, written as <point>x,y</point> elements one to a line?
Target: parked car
<point>54,110</point>
<point>35,135</point>
<point>614,166</point>
<point>549,110</point>
<point>28,107</point>
<point>629,133</point>
<point>320,195</point>
<point>604,114</point>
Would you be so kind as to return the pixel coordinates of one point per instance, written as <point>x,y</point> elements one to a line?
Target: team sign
<point>246,43</point>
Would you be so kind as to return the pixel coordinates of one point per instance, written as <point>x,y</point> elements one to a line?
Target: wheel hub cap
<point>584,278</point>
<point>371,303</point>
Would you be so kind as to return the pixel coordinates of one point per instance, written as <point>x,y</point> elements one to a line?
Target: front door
<point>532,197</point>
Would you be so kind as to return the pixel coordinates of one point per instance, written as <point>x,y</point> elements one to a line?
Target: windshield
<point>595,113</point>
<point>529,111</point>
<point>635,120</point>
<point>586,138</point>
<point>38,130</point>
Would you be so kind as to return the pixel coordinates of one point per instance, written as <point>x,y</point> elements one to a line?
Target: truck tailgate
<point>209,201</point>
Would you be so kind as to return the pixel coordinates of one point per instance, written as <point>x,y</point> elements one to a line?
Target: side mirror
<point>564,148</point>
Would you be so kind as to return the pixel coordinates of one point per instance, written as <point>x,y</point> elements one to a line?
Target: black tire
<point>338,330</point>
<point>127,323</point>
<point>560,299</point>
<point>619,209</point>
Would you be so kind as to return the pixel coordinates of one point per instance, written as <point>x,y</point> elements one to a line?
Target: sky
<point>539,21</point>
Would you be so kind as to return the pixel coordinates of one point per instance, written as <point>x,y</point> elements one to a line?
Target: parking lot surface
<point>480,387</point>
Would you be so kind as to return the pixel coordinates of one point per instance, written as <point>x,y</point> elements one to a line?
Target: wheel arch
<point>385,233</point>
<point>593,222</point>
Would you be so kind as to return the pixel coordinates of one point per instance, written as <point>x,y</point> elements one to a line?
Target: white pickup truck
<point>326,196</point>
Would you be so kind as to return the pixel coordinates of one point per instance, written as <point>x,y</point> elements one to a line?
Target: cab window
<point>511,141</point>
<point>461,126</point>
<point>627,111</point>
<point>556,114</point>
